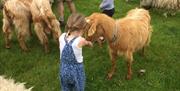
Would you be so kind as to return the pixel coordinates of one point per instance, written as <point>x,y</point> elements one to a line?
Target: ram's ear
<point>93,24</point>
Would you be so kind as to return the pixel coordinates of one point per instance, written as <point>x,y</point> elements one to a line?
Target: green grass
<point>162,61</point>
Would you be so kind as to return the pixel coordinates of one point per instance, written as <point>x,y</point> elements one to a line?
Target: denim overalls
<point>71,72</point>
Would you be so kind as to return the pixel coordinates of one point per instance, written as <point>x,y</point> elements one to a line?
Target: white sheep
<point>171,6</point>
<point>10,85</point>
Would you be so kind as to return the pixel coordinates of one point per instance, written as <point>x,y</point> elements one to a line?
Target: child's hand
<point>84,42</point>
<point>90,43</point>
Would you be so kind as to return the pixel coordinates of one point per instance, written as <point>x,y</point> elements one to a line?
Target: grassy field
<point>162,61</point>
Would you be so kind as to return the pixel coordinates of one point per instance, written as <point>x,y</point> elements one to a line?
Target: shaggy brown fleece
<point>125,36</point>
<point>21,13</point>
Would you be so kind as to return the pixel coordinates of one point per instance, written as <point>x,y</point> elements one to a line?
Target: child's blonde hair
<point>75,22</point>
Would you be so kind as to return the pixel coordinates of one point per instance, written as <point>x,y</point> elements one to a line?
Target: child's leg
<point>71,6</point>
<point>80,81</point>
<point>64,85</point>
<point>80,85</point>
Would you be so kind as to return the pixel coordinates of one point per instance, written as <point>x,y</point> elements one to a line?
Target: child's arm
<point>84,42</point>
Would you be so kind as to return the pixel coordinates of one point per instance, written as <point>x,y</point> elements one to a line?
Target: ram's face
<point>145,4</point>
<point>94,29</point>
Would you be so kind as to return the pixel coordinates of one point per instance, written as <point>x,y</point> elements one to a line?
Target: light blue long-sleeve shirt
<point>107,4</point>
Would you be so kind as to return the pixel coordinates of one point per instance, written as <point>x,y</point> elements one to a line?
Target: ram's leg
<point>39,30</point>
<point>129,58</point>
<point>7,32</point>
<point>23,32</point>
<point>113,55</point>
<point>56,31</point>
<point>143,51</point>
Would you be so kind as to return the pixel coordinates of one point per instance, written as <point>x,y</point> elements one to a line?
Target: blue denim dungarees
<point>71,72</point>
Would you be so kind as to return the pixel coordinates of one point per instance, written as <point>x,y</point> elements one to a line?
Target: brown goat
<point>124,36</point>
